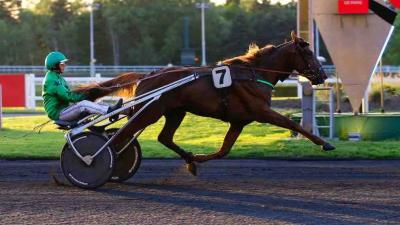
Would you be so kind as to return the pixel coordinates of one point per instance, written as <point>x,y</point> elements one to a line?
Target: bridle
<point>309,72</point>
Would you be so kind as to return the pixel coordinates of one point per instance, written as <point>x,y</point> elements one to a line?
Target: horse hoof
<point>328,147</point>
<point>192,168</point>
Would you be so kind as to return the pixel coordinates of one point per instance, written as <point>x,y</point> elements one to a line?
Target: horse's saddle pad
<point>221,77</point>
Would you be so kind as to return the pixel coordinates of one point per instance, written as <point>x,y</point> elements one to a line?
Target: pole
<point>311,27</point>
<point>382,93</point>
<point>305,29</point>
<point>203,6</point>
<point>92,60</point>
<point>331,114</point>
<point>338,110</point>
<point>316,37</point>
<point>203,36</point>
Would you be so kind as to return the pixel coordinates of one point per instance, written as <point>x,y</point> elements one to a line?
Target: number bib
<point>222,77</point>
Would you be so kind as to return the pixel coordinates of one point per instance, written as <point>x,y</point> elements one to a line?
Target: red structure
<point>353,6</point>
<point>395,3</point>
<point>13,86</point>
<point>1,108</point>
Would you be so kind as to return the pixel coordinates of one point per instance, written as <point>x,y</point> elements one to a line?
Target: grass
<point>22,110</point>
<point>196,134</point>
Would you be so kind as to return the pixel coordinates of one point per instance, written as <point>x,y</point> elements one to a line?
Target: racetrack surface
<point>224,192</point>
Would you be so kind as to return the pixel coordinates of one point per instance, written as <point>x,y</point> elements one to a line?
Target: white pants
<point>74,112</point>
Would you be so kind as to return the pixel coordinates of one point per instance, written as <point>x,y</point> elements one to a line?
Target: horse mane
<point>123,85</point>
<point>251,56</point>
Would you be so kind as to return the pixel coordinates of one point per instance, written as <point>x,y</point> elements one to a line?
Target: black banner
<point>382,11</point>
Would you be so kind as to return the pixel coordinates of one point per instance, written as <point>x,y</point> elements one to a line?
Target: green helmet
<point>54,58</point>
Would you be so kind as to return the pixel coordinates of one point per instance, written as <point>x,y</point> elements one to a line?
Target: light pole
<point>203,6</point>
<point>92,6</point>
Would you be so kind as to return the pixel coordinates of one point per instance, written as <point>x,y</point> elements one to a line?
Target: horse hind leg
<point>172,121</point>
<point>147,117</point>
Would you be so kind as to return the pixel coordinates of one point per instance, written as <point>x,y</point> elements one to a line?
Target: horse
<point>248,99</point>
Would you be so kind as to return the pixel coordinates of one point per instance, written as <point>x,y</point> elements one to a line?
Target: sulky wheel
<point>78,172</point>
<point>128,160</point>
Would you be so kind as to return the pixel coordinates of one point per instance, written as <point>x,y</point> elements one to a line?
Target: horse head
<point>305,62</point>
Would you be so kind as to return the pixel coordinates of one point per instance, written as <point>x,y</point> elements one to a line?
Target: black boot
<point>113,108</point>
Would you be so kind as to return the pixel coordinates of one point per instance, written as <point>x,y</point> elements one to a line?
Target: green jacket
<point>57,95</point>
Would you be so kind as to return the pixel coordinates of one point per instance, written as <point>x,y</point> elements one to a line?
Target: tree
<point>60,14</point>
<point>9,10</point>
<point>392,54</point>
<point>140,31</point>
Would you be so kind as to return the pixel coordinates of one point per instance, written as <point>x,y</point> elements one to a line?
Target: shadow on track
<point>280,207</point>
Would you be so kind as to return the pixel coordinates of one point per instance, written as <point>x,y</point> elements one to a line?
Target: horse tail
<point>123,85</point>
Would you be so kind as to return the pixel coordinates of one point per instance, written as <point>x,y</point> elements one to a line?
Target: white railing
<point>330,102</point>
<point>31,82</point>
<point>30,89</point>
<point>81,69</point>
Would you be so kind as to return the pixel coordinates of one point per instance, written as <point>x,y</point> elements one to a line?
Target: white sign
<point>222,77</point>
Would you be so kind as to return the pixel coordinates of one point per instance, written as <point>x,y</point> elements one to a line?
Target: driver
<point>60,103</point>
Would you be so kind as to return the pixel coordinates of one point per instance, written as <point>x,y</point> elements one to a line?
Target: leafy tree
<point>9,10</point>
<point>139,31</point>
<point>392,54</point>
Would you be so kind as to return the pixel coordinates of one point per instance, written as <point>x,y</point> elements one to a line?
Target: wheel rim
<point>127,161</point>
<point>78,172</point>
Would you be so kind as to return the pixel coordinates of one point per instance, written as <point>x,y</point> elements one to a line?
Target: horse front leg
<point>230,139</point>
<point>173,121</point>
<point>272,117</point>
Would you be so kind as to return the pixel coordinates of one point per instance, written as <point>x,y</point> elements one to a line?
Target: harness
<point>266,83</point>
<point>237,73</point>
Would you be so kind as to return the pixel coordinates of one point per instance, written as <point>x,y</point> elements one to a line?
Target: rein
<point>267,70</point>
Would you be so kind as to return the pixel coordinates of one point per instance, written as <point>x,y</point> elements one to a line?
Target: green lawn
<point>197,134</point>
<point>22,110</point>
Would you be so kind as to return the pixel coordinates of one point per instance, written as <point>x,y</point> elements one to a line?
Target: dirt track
<point>225,192</point>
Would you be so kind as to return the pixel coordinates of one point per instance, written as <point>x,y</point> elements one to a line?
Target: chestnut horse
<point>248,99</point>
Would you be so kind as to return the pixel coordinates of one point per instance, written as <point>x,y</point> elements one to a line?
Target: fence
<point>83,70</point>
<point>32,82</point>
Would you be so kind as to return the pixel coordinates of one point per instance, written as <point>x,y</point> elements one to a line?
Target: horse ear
<point>253,47</point>
<point>294,37</point>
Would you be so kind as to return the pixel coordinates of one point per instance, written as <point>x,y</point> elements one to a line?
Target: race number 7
<point>222,77</point>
